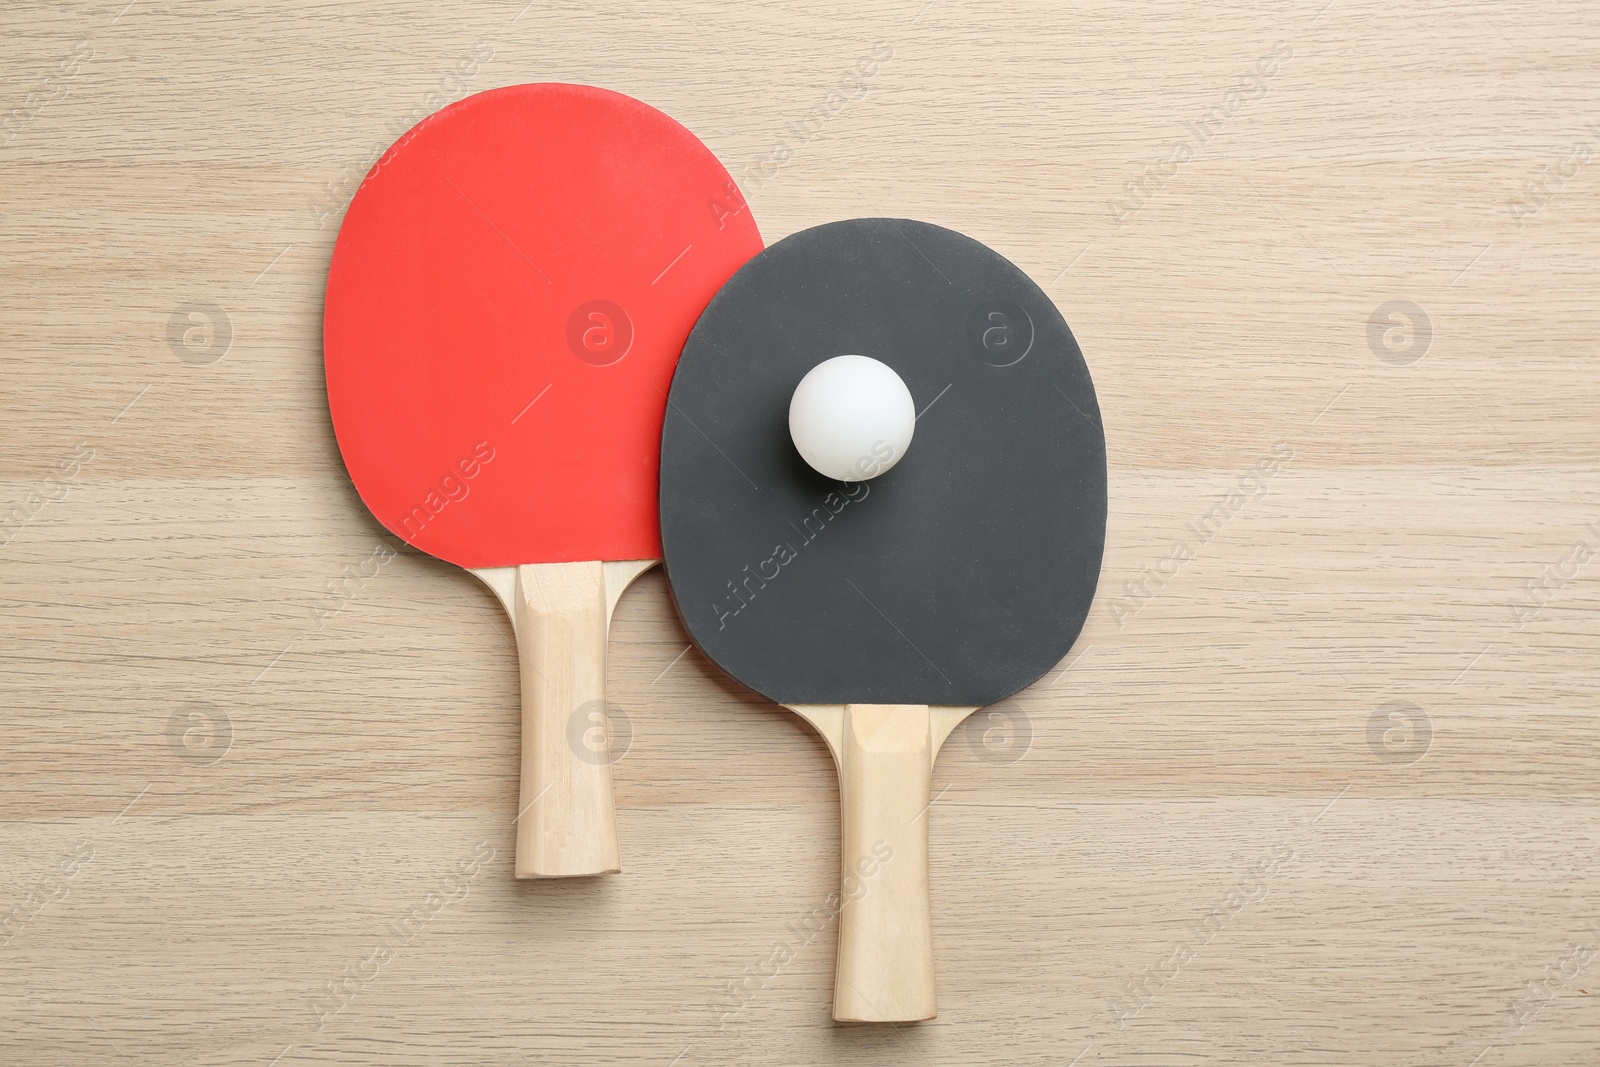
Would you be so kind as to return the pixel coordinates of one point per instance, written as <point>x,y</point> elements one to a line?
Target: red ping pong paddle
<point>885,611</point>
<point>511,287</point>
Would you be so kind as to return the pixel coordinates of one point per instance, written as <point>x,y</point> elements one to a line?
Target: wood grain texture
<point>1317,786</point>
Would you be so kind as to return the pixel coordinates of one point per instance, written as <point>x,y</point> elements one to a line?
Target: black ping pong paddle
<point>885,611</point>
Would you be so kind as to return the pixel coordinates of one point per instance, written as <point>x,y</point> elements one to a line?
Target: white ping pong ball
<point>851,418</point>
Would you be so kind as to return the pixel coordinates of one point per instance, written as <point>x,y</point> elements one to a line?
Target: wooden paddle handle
<point>567,823</point>
<point>885,969</point>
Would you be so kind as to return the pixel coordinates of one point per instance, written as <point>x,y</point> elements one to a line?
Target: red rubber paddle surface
<point>509,293</point>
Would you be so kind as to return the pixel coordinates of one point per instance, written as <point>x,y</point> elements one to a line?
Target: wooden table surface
<point>1318,784</point>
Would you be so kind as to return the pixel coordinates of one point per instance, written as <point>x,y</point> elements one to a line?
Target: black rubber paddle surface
<point>958,577</point>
